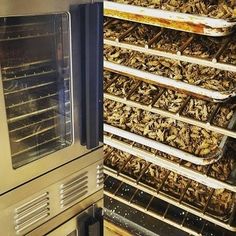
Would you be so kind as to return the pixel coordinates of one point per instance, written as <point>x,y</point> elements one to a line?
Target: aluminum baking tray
<point>126,94</point>
<point>152,45</point>
<point>203,176</point>
<point>167,19</point>
<point>166,82</point>
<point>208,159</point>
<point>223,221</point>
<point>152,206</point>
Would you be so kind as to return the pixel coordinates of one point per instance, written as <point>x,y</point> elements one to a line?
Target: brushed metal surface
<point>37,7</point>
<point>9,177</point>
<point>16,200</point>
<point>69,227</point>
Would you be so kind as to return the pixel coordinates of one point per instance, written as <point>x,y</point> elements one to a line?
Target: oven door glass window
<point>36,81</point>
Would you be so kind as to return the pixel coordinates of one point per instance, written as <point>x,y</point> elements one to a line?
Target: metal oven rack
<point>221,58</point>
<point>178,115</point>
<point>215,59</point>
<point>227,223</point>
<point>170,150</point>
<point>32,87</point>
<point>159,209</point>
<point>171,83</point>
<point>152,46</point>
<point>23,124</point>
<point>205,175</point>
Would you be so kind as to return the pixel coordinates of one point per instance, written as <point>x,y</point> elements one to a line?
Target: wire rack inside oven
<point>35,73</point>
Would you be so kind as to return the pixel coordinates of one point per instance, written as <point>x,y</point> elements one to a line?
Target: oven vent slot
<point>73,190</point>
<point>31,212</point>
<point>100,176</point>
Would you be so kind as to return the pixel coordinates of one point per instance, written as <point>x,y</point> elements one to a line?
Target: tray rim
<point>214,95</point>
<point>171,55</point>
<point>177,116</point>
<point>173,151</point>
<point>209,26</point>
<point>144,187</point>
<point>168,164</point>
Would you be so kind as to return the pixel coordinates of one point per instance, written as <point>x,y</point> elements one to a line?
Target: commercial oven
<point>51,109</point>
<point>169,116</point>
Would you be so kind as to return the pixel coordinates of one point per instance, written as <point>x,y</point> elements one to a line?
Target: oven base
<point>78,183</point>
<point>66,222</point>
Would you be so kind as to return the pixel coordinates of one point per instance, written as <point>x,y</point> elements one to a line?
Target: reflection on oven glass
<point>35,68</point>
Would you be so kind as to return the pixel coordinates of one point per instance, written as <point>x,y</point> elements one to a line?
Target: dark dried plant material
<point>224,115</point>
<point>107,149</point>
<point>171,40</point>
<point>174,185</point>
<point>142,35</point>
<point>113,54</point>
<point>171,100</point>
<point>206,77</point>
<point>134,167</point>
<point>203,46</point>
<point>222,202</point>
<point>121,86</point>
<point>197,194</point>
<point>223,168</point>
<point>183,136</point>
<point>145,93</point>
<point>154,175</point>
<point>229,54</point>
<point>199,109</point>
<point>117,159</point>
<point>114,29</point>
<point>107,77</point>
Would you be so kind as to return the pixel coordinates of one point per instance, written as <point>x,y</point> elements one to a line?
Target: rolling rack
<point>143,32</point>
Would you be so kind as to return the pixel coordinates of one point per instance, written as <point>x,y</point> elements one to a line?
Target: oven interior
<point>36,83</point>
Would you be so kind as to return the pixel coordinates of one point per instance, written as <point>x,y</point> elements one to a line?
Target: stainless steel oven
<point>50,113</point>
<point>50,99</point>
<point>51,200</point>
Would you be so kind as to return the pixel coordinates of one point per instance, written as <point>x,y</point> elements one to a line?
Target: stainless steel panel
<point>27,172</point>
<point>25,208</point>
<point>37,7</point>
<point>68,228</point>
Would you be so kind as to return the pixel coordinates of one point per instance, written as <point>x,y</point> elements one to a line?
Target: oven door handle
<point>94,73</point>
<point>90,224</point>
<point>87,61</point>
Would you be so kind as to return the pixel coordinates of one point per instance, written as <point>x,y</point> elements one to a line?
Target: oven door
<point>50,92</point>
